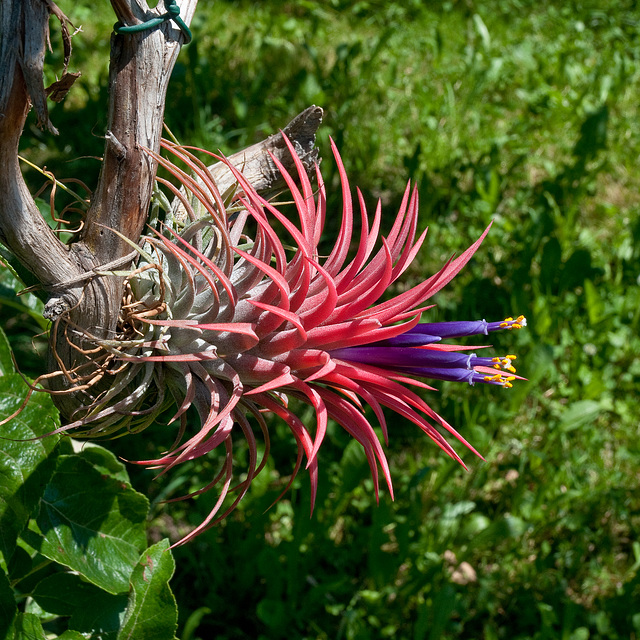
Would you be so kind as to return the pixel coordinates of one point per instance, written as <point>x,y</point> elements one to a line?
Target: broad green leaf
<point>26,463</point>
<point>8,608</point>
<point>62,593</point>
<point>91,609</point>
<point>102,616</point>
<point>21,563</point>
<point>27,626</point>
<point>6,363</point>
<point>91,523</point>
<point>74,635</point>
<point>104,461</point>
<point>152,612</point>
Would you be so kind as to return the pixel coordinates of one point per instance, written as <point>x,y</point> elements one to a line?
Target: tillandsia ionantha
<point>223,314</point>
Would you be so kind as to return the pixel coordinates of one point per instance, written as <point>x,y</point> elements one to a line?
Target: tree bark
<point>24,30</point>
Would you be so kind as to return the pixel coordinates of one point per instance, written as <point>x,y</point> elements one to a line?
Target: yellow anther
<point>510,323</point>
<point>511,357</point>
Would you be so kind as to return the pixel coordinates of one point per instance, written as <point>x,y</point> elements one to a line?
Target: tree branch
<point>255,162</point>
<point>23,32</point>
<point>141,66</point>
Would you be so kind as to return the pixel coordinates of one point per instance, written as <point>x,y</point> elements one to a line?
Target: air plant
<point>222,314</point>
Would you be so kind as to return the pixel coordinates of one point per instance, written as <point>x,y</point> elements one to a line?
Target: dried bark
<point>140,70</point>
<point>256,164</point>
<point>24,27</point>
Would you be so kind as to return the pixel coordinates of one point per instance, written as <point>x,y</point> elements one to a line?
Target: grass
<point>518,112</point>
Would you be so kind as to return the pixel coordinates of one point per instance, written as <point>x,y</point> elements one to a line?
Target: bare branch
<point>258,167</point>
<point>255,162</point>
<point>24,32</point>
<point>140,70</point>
<point>141,66</point>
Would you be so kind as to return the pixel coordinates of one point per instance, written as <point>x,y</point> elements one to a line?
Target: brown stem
<point>140,71</point>
<point>23,32</point>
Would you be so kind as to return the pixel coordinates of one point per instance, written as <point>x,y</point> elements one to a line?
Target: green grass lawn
<point>524,113</point>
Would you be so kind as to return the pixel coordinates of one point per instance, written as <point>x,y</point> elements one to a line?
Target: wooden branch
<point>256,164</point>
<point>141,66</point>
<point>23,33</point>
<point>139,73</point>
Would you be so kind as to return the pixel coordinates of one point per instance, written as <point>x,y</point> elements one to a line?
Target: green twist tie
<point>173,13</point>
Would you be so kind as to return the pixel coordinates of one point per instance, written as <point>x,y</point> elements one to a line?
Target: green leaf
<point>152,612</point>
<point>580,413</point>
<point>273,613</point>
<point>61,593</point>
<point>8,608</point>
<point>445,603</point>
<point>101,616</point>
<point>26,464</point>
<point>6,363</point>
<point>104,461</point>
<point>13,280</point>
<point>74,635</point>
<point>193,622</point>
<point>20,564</point>
<point>595,304</point>
<point>92,610</point>
<point>27,626</point>
<point>92,523</point>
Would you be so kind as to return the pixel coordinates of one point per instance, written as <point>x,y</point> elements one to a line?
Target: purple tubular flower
<point>405,357</point>
<point>435,331</point>
<point>416,353</point>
